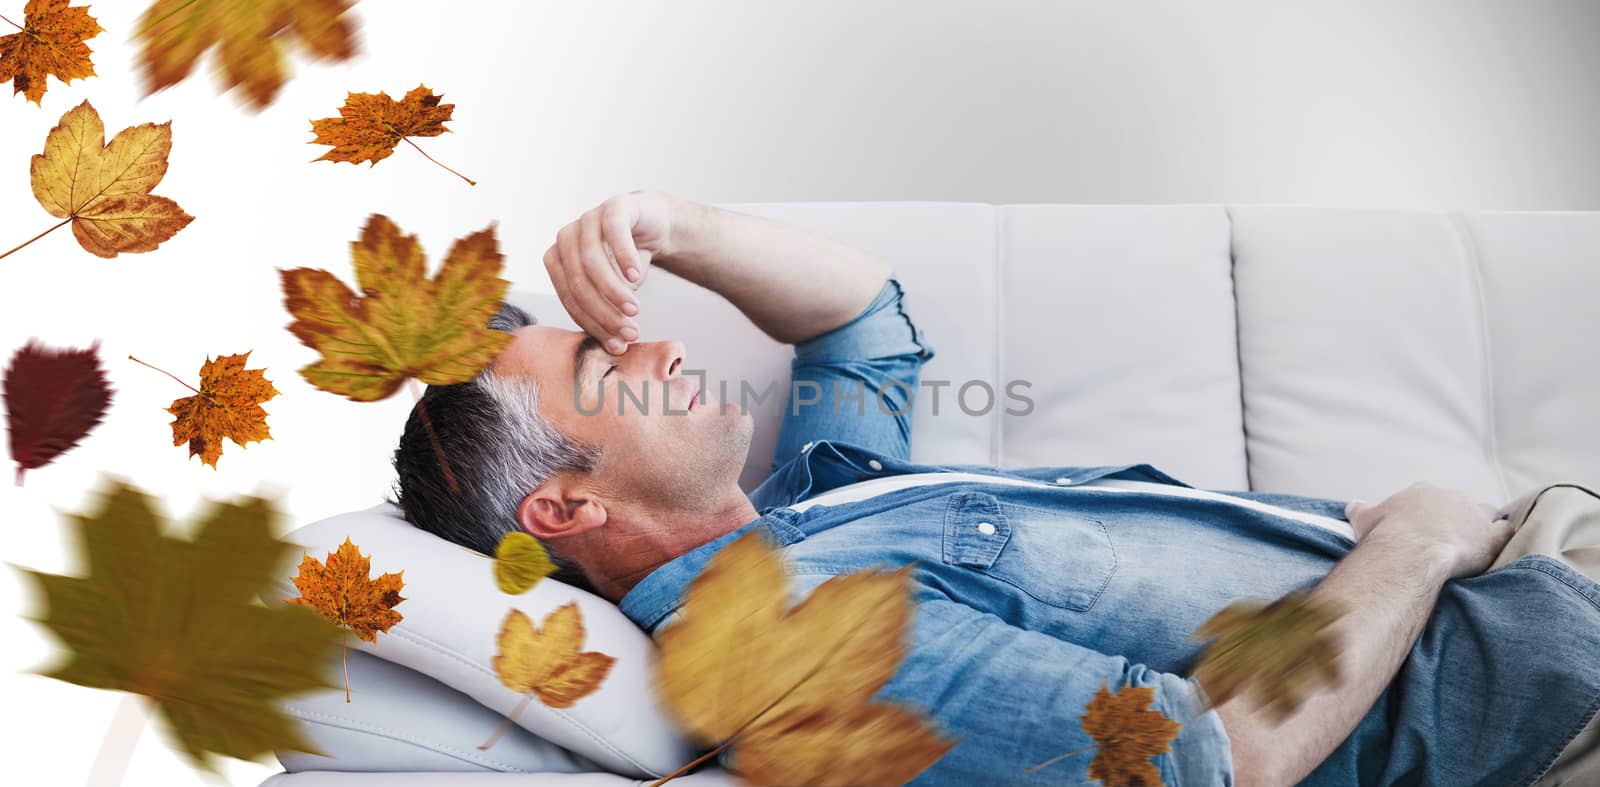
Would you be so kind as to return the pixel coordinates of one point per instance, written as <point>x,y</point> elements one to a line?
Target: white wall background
<point>1463,104</point>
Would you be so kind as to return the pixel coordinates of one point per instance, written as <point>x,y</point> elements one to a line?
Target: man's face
<point>652,451</point>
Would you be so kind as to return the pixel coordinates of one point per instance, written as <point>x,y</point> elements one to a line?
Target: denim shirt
<point>1030,599</point>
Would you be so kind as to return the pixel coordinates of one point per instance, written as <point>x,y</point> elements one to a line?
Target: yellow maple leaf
<point>1128,735</point>
<point>406,325</point>
<point>792,687</point>
<point>51,44</point>
<point>250,36</point>
<point>1275,651</point>
<point>520,561</point>
<point>545,662</point>
<point>228,404</point>
<point>103,190</point>
<point>370,125</point>
<point>345,593</point>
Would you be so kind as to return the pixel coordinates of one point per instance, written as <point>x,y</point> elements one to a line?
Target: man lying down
<point>1034,587</point>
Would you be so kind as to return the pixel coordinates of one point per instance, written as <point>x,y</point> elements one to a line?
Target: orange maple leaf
<point>371,125</point>
<point>250,36</point>
<point>344,592</point>
<point>228,404</point>
<point>1128,735</point>
<point>50,44</point>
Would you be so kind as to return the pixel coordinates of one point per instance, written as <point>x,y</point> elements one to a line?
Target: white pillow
<point>452,613</point>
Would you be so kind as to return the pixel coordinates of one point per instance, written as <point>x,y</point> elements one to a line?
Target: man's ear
<point>558,509</point>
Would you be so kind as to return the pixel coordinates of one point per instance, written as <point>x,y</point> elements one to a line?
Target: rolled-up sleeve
<point>1016,698</point>
<point>858,382</point>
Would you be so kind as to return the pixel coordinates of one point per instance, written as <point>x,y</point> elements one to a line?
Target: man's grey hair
<point>472,451</point>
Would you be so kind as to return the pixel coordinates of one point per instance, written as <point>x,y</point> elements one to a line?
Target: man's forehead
<point>538,350</point>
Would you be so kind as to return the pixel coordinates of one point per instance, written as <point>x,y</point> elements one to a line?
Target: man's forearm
<point>793,284</point>
<point>1387,587</point>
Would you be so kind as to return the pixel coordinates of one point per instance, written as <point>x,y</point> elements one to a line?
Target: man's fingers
<point>571,286</point>
<point>558,279</point>
<point>617,227</point>
<point>605,277</point>
<point>594,272</point>
<point>1353,508</point>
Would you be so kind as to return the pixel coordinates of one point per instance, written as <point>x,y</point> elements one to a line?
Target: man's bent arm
<point>1387,596</point>
<point>792,283</point>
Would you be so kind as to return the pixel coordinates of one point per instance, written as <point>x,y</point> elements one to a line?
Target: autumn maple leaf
<point>1274,651</point>
<point>53,398</point>
<point>546,662</point>
<point>251,37</point>
<point>791,687</point>
<point>520,561</point>
<point>370,125</point>
<point>175,621</point>
<point>345,593</point>
<point>51,44</point>
<point>406,325</point>
<point>103,190</point>
<point>227,404</point>
<point>1128,734</point>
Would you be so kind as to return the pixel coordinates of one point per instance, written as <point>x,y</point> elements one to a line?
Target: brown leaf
<point>51,44</point>
<point>370,125</point>
<point>405,324</point>
<point>104,190</point>
<point>251,38</point>
<point>228,405</point>
<point>53,398</point>
<point>1274,652</point>
<point>1128,735</point>
<point>740,666</point>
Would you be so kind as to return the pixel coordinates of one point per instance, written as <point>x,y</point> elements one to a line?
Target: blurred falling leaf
<point>251,38</point>
<point>406,325</point>
<point>345,593</point>
<point>174,620</point>
<point>104,190</point>
<point>546,662</point>
<point>53,398</point>
<point>520,561</point>
<point>228,404</point>
<point>792,687</point>
<point>371,125</point>
<point>1275,651</point>
<point>51,44</point>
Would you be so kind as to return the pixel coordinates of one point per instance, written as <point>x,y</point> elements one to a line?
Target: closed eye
<point>609,370</point>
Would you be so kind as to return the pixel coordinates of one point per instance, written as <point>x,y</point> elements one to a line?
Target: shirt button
<point>986,528</point>
<point>874,464</point>
<point>806,447</point>
<point>1063,480</point>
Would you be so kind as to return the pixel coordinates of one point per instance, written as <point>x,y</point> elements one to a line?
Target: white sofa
<point>1333,353</point>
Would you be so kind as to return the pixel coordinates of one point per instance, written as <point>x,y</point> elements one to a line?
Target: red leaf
<point>53,398</point>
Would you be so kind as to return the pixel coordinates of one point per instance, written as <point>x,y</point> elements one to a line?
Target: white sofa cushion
<point>1122,319</point>
<point>453,611</point>
<point>1380,348</point>
<point>401,720</point>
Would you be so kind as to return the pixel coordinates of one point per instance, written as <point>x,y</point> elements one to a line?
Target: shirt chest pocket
<point>1058,558</point>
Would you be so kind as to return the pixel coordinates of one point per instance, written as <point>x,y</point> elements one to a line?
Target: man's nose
<point>667,358</point>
